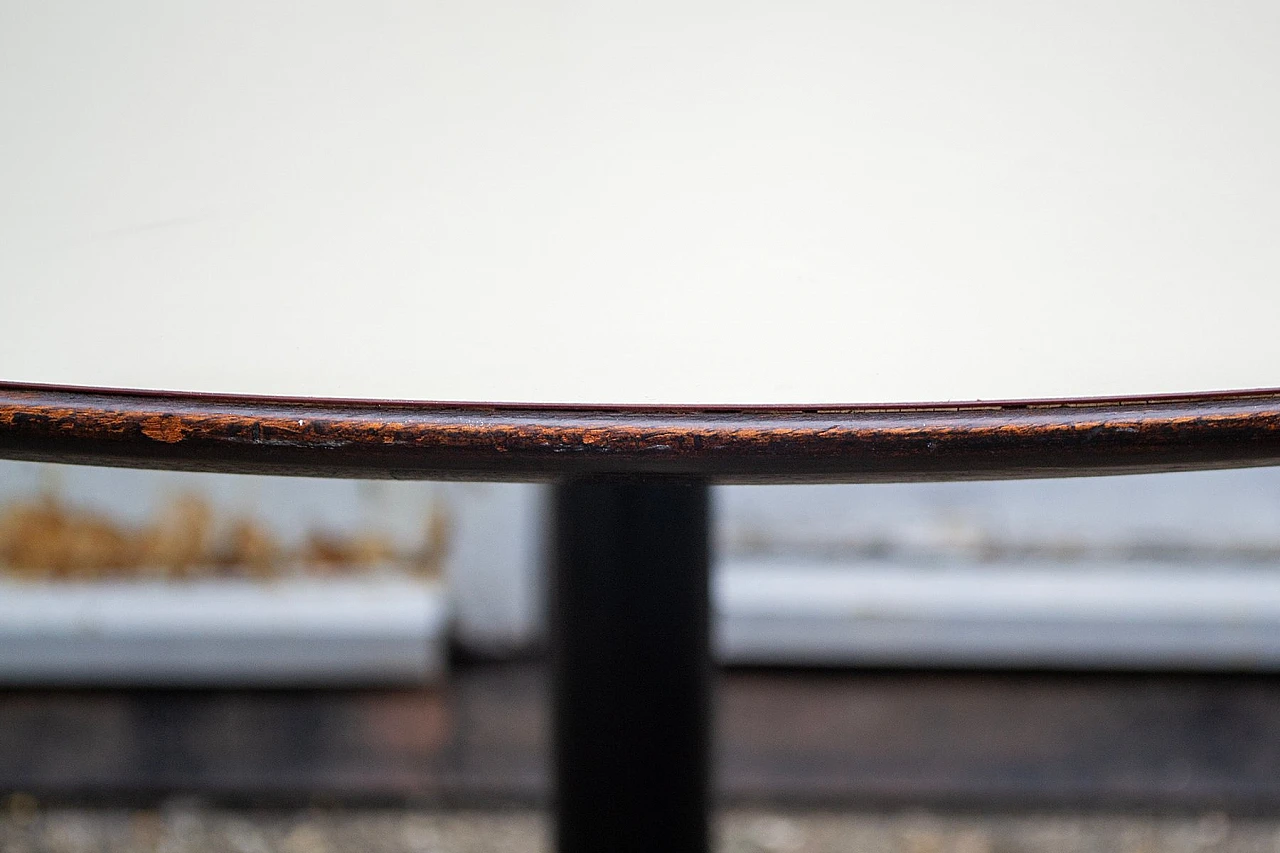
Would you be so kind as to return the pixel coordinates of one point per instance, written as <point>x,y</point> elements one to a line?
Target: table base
<point>632,665</point>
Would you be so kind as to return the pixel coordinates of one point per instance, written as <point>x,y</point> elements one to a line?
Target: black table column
<point>631,644</point>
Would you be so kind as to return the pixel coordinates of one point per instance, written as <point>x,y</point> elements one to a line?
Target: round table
<point>636,252</point>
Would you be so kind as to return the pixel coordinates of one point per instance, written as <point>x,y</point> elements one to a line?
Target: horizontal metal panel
<point>1107,615</point>
<point>224,633</point>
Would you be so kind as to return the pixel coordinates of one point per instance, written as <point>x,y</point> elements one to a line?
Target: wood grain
<point>345,438</point>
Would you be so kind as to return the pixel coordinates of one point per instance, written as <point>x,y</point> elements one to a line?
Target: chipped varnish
<point>336,438</point>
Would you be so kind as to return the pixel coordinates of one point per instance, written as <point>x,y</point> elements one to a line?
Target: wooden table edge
<point>519,442</point>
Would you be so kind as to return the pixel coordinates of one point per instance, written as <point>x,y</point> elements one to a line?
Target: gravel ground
<point>26,828</point>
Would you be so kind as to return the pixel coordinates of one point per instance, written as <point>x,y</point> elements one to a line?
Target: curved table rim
<point>518,442</point>
<point>631,576</point>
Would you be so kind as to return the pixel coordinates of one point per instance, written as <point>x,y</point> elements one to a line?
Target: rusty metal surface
<point>785,737</point>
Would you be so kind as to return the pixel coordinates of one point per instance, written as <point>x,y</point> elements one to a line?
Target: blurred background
<point>920,666</point>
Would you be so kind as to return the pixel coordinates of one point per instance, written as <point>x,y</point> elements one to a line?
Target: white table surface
<point>677,202</point>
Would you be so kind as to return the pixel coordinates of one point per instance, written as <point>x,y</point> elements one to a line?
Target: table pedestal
<point>631,645</point>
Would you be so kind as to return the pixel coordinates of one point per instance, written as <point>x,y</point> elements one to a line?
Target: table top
<point>805,212</point>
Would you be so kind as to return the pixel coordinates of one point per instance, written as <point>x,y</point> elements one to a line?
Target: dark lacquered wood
<point>752,444</point>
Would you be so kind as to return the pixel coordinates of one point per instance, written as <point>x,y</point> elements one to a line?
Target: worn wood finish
<point>334,438</point>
